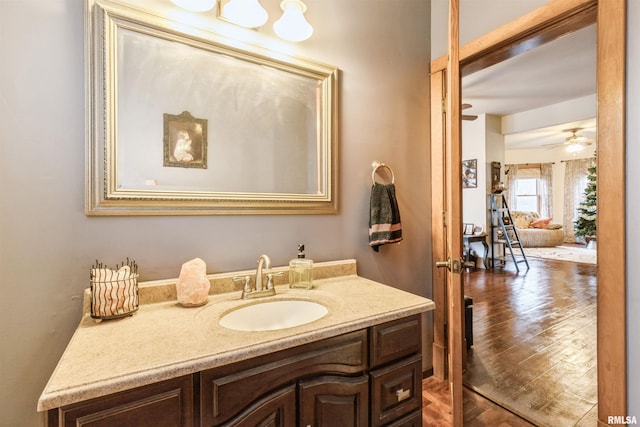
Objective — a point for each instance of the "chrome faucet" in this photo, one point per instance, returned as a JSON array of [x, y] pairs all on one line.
[[263, 261], [260, 290]]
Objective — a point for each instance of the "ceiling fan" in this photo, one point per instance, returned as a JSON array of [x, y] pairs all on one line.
[[468, 116], [574, 142]]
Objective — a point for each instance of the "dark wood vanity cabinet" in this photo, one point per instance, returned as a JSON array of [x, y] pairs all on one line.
[[396, 372], [370, 377], [323, 372]]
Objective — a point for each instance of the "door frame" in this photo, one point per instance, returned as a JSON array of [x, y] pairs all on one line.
[[557, 18]]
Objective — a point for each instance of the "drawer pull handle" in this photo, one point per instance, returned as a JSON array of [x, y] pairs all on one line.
[[403, 394]]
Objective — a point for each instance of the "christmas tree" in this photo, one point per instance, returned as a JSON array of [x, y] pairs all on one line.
[[585, 225]]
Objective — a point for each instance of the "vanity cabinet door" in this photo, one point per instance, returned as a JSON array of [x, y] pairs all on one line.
[[275, 410], [226, 391], [164, 404], [331, 401]]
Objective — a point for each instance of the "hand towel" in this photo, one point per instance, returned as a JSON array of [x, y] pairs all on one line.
[[384, 216]]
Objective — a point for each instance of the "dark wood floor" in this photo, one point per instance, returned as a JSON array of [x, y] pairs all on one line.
[[534, 349], [534, 346]]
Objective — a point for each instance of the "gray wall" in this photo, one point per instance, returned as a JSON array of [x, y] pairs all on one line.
[[476, 18], [48, 245]]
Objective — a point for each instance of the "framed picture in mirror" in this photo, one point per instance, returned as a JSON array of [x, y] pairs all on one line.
[[185, 141]]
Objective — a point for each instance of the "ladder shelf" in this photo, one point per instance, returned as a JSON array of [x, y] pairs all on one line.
[[504, 233]]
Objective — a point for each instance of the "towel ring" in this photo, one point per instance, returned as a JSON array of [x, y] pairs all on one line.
[[377, 165]]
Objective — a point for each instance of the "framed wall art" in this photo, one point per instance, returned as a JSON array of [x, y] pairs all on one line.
[[467, 229], [470, 173], [185, 141]]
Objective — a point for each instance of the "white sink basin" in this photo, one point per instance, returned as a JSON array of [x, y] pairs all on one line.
[[273, 315]]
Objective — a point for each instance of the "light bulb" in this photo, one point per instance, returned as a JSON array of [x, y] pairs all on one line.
[[292, 26], [574, 147], [246, 13], [195, 5]]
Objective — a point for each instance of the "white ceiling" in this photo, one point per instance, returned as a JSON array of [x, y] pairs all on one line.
[[558, 71]]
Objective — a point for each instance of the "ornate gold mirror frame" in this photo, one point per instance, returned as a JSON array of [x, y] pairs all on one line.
[[182, 121]]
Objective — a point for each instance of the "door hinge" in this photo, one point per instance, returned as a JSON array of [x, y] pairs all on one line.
[[444, 105], [444, 219]]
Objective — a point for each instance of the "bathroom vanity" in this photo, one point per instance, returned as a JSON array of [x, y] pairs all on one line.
[[167, 365]]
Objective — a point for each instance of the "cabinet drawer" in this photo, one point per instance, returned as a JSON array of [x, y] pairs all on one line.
[[396, 390], [167, 403], [412, 420], [227, 390], [394, 340]]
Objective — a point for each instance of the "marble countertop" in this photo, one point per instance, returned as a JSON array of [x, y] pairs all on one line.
[[164, 340]]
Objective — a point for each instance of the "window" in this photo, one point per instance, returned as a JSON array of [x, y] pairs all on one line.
[[528, 188], [527, 194]]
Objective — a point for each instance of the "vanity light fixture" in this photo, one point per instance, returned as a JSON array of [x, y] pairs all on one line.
[[246, 13], [292, 26], [195, 5]]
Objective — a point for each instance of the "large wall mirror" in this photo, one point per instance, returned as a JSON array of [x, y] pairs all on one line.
[[187, 123]]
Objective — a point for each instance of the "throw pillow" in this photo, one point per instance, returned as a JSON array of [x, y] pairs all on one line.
[[540, 223], [522, 219], [554, 226]]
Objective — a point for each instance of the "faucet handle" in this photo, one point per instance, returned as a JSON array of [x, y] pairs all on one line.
[[270, 278], [246, 289]]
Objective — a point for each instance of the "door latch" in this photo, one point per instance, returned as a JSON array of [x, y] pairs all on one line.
[[454, 265]]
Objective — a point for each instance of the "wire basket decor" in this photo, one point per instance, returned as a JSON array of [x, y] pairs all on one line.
[[114, 292]]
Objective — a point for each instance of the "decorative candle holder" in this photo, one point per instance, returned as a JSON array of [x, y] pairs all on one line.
[[114, 292]]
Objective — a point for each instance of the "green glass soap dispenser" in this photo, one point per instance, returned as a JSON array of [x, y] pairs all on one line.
[[300, 271]]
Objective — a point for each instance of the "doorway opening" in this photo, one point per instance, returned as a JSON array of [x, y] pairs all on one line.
[[549, 22], [534, 329]]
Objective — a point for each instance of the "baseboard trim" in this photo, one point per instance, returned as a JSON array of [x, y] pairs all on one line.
[[428, 373]]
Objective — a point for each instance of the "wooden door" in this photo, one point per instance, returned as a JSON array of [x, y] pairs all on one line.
[[556, 18], [611, 222], [447, 220]]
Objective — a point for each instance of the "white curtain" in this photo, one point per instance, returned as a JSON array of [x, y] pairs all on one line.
[[546, 190], [543, 173], [510, 184], [575, 182]]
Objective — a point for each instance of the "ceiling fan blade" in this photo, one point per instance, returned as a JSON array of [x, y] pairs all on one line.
[[469, 117], [466, 106]]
